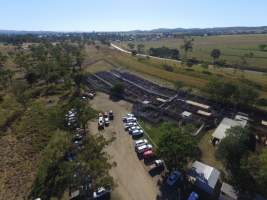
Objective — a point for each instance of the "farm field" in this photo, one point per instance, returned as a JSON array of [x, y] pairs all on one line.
[[232, 47], [197, 77]]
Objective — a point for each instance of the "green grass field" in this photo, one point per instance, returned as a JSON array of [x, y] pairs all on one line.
[[233, 47]]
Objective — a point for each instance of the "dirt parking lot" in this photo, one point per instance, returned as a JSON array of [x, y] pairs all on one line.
[[131, 176]]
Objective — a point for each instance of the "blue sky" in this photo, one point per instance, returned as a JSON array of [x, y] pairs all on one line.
[[121, 15]]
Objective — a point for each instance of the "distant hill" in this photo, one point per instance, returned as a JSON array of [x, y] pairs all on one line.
[[216, 30], [182, 31]]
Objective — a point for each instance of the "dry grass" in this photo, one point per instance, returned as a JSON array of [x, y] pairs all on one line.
[[17, 168]]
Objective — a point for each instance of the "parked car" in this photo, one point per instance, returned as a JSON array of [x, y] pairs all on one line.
[[174, 177], [101, 123], [193, 196], [141, 142], [101, 192], [106, 120], [137, 133], [157, 164], [143, 148], [77, 136], [111, 115], [148, 154], [128, 125], [129, 119], [131, 129]]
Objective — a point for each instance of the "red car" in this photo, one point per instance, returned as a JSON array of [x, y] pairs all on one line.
[[148, 154]]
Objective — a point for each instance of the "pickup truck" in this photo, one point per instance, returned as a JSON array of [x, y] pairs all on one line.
[[157, 164]]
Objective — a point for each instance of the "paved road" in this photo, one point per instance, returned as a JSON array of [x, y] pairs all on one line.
[[143, 55], [130, 174]]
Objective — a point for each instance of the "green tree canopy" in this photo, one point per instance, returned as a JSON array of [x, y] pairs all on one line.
[[176, 146], [238, 142], [232, 92]]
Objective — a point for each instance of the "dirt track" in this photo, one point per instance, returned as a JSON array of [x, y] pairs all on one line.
[[133, 180]]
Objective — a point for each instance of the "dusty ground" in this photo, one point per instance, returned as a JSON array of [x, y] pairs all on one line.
[[130, 174], [17, 168]]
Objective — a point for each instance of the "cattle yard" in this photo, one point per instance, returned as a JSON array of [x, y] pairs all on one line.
[[155, 103]]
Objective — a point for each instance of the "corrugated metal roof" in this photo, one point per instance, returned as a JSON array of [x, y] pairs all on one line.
[[226, 124], [193, 103], [207, 173], [229, 191]]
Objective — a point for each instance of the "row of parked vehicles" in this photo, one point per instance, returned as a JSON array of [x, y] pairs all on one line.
[[145, 151], [142, 147], [78, 137], [104, 119]]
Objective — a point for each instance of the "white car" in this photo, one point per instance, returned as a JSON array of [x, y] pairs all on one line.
[[132, 128], [101, 122], [129, 125], [106, 119], [143, 148], [140, 142], [130, 115], [129, 119], [100, 192]]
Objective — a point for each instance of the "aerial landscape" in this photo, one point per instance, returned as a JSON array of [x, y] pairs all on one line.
[[133, 100]]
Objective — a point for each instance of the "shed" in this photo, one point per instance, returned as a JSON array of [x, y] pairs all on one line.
[[226, 124], [205, 177]]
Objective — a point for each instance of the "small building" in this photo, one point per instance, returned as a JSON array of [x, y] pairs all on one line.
[[228, 192], [204, 177], [226, 124]]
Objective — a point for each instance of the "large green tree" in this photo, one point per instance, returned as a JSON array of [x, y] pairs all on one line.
[[232, 151], [238, 142], [176, 146]]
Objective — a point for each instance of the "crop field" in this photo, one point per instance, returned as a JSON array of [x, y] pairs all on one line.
[[233, 48]]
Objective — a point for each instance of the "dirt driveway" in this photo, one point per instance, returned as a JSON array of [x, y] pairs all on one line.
[[133, 180]]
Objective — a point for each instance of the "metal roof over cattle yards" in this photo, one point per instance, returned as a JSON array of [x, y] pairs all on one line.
[[226, 124], [198, 104]]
